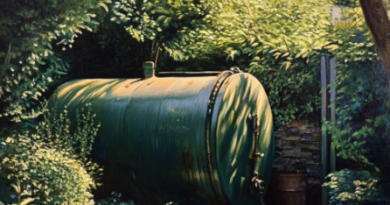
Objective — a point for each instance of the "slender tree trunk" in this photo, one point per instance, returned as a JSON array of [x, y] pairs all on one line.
[[378, 22]]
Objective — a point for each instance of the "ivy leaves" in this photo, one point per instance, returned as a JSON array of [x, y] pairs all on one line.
[[359, 86], [30, 30]]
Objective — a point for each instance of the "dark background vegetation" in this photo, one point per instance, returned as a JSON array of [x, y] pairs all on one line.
[[44, 43]]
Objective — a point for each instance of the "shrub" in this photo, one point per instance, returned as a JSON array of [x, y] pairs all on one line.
[[44, 167], [354, 187], [115, 199]]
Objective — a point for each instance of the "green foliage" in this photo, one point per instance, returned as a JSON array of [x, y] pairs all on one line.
[[82, 138], [41, 166], [28, 32], [117, 54], [348, 3], [107, 51], [355, 3], [361, 127], [169, 24], [351, 187], [278, 41], [44, 167], [115, 200], [360, 88], [282, 44]]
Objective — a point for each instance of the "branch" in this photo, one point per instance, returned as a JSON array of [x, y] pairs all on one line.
[[6, 62]]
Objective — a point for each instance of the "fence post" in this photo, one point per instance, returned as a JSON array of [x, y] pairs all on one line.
[[328, 155], [332, 111], [324, 139]]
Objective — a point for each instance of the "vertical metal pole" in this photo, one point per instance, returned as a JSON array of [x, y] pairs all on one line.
[[328, 154], [155, 52], [324, 139], [332, 111]]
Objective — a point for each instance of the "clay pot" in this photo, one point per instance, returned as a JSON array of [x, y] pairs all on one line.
[[290, 188]]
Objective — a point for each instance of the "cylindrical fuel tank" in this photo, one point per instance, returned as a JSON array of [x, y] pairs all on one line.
[[167, 135]]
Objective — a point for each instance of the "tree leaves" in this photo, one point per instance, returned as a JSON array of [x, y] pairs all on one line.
[[27, 201], [287, 64], [354, 187], [32, 51]]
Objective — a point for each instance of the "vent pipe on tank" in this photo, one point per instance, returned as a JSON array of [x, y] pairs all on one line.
[[148, 67]]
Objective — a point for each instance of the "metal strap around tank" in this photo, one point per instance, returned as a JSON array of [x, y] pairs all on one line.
[[187, 73], [210, 109]]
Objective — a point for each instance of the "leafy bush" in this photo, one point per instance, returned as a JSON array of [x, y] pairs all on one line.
[[353, 187], [172, 200], [30, 32], [43, 167], [81, 138], [115, 200], [361, 127]]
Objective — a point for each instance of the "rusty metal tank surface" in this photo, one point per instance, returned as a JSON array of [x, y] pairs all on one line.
[[165, 135]]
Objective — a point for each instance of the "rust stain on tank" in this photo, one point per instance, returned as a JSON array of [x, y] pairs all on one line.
[[188, 161], [189, 83], [227, 81]]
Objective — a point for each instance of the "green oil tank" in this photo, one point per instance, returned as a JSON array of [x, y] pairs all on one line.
[[159, 136]]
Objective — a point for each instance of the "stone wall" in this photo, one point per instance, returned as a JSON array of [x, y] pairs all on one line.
[[298, 147]]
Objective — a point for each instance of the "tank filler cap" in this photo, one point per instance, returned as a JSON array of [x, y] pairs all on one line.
[[148, 67], [235, 69]]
